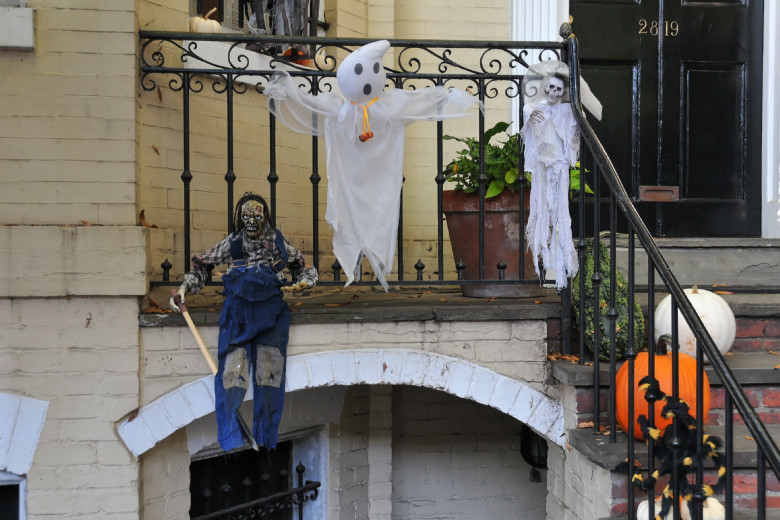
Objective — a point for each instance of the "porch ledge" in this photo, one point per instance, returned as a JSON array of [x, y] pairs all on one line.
[[608, 455], [749, 368], [365, 304]]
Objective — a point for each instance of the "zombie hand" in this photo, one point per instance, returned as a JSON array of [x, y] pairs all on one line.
[[297, 286], [537, 116], [181, 291]]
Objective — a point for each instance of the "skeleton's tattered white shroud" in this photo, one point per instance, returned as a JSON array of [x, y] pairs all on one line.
[[364, 177], [551, 146]]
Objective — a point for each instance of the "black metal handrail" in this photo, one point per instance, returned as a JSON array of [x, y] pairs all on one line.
[[619, 198], [495, 69]]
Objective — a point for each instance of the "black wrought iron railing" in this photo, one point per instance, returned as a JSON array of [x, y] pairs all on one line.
[[492, 71], [687, 476], [282, 504]]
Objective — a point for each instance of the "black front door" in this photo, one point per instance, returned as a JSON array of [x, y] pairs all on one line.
[[684, 132]]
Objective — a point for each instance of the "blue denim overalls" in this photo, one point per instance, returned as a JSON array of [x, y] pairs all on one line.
[[253, 330]]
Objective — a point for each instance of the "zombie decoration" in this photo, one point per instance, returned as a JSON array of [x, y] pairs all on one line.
[[364, 137], [255, 320], [552, 143]]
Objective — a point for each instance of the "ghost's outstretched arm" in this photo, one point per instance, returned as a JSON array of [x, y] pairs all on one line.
[[431, 103], [296, 108]]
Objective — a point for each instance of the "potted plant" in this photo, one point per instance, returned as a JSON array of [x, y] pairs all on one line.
[[503, 227]]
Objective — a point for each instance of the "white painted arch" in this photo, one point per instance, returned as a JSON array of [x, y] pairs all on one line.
[[162, 417]]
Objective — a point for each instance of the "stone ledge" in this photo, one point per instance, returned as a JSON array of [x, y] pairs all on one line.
[[356, 305], [598, 448], [749, 368]]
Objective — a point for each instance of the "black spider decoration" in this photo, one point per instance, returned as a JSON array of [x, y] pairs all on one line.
[[689, 456]]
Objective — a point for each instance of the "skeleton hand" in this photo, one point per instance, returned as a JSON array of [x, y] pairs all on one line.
[[181, 292], [537, 116], [297, 286]]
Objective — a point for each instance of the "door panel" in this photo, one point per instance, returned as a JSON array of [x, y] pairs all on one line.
[[705, 139], [713, 158]]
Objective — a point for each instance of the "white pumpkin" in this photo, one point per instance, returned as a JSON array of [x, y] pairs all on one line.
[[643, 513], [714, 312], [202, 24], [712, 510]]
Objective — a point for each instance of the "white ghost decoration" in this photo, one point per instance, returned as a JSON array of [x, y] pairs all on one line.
[[551, 146], [364, 138]]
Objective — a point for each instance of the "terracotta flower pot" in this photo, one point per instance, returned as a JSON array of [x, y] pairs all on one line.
[[503, 233]]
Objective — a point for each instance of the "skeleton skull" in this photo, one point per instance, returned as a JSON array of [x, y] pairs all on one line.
[[253, 218], [553, 89]]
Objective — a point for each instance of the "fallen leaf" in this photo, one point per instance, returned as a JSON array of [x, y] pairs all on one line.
[[159, 93], [537, 302], [156, 150], [427, 292], [298, 303], [142, 220], [443, 299], [586, 424], [749, 438], [568, 446], [728, 354], [724, 292], [336, 304], [355, 296], [85, 223], [777, 366], [770, 351]]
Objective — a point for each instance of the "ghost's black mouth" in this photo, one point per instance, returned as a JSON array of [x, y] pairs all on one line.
[[252, 228]]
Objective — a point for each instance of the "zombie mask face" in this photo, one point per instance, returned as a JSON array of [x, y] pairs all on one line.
[[553, 89], [253, 218]]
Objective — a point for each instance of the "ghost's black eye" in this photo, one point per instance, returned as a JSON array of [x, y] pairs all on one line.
[[376, 68], [367, 89], [359, 69]]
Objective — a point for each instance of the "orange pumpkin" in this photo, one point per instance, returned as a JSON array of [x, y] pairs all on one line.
[[663, 373]]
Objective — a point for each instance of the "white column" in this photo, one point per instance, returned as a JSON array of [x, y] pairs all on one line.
[[770, 193], [535, 20]]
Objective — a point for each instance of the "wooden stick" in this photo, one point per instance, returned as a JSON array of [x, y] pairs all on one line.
[[194, 330], [245, 431]]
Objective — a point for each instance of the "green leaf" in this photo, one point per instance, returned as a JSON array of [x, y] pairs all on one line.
[[495, 188], [512, 175], [499, 127]]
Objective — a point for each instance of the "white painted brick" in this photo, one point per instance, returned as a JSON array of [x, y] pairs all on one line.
[[177, 409], [414, 368], [526, 402], [297, 374], [505, 394], [436, 372], [369, 367], [136, 436], [483, 385], [320, 369], [459, 379], [157, 421], [24, 418], [343, 364], [392, 366]]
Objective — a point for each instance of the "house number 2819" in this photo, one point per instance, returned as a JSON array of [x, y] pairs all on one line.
[[651, 27]]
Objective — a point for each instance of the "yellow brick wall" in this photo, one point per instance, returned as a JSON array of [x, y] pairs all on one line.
[[67, 118], [81, 356]]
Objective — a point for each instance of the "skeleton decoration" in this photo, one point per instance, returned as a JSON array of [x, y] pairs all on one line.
[[364, 137], [552, 143]]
